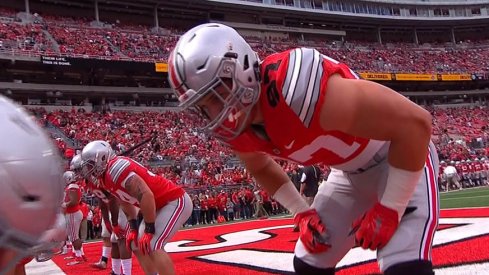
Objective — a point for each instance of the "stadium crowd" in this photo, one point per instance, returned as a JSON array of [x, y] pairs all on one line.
[[56, 35]]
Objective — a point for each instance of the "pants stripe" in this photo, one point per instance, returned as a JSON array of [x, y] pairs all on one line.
[[432, 222]]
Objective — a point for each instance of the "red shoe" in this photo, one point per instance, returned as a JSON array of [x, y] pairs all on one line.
[[78, 260]]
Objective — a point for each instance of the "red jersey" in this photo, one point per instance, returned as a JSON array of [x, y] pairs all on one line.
[[120, 168], [293, 89], [477, 167], [98, 192], [70, 188], [84, 208]]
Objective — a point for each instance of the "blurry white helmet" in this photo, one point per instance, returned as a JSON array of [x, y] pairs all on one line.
[[52, 240], [95, 156], [210, 56], [30, 180]]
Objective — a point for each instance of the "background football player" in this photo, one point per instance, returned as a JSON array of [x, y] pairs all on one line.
[[164, 206]]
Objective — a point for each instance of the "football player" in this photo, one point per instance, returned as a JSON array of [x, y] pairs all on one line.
[[383, 184], [73, 214], [164, 206], [114, 226], [31, 188]]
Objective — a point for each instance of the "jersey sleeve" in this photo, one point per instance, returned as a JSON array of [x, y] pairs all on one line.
[[118, 170], [303, 80]]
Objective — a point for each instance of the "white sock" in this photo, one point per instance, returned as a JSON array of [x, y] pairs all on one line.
[[116, 265], [78, 253], [106, 251], [126, 266]]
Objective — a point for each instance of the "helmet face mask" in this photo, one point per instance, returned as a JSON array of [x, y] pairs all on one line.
[[213, 60]]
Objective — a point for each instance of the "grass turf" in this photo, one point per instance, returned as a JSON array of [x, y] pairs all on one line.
[[473, 197]]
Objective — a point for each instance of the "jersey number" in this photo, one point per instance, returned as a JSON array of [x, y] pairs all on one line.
[[123, 196], [100, 195], [272, 92], [330, 143]]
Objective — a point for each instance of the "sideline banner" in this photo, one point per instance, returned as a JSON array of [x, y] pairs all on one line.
[[375, 76], [161, 67], [415, 77]]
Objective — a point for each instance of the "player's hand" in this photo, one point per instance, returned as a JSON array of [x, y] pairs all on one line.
[[132, 235], [118, 231], [144, 244], [108, 226], [376, 227], [312, 231]]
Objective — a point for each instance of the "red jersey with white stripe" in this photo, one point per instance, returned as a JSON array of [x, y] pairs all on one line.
[[120, 169], [293, 91], [73, 187]]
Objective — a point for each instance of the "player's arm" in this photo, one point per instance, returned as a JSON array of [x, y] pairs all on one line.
[[74, 198], [367, 109], [269, 175], [130, 210], [137, 188], [113, 207], [104, 210]]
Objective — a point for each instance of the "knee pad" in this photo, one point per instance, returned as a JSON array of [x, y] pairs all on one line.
[[303, 268], [417, 267]]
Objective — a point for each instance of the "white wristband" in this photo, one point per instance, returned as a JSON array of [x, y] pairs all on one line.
[[399, 188], [288, 196]]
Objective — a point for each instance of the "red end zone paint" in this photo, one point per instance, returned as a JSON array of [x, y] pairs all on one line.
[[456, 249]]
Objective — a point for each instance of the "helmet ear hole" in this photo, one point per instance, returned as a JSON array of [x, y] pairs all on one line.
[[246, 63]]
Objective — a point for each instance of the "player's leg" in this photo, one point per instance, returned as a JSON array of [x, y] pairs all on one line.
[[106, 248], [144, 260], [74, 236], [115, 255], [168, 220], [124, 253], [338, 203], [83, 236], [409, 250]]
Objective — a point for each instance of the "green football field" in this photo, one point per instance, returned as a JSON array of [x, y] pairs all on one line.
[[474, 197]]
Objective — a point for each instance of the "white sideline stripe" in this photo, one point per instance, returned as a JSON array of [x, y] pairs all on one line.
[[471, 269], [48, 267], [462, 198], [279, 261]]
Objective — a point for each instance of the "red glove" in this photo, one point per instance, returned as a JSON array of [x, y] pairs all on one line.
[[376, 227], [145, 243], [118, 231], [132, 235], [312, 231], [108, 226]]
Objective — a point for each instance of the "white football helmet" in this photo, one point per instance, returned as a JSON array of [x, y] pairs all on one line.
[[69, 177], [76, 164], [31, 182], [95, 157], [203, 59]]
